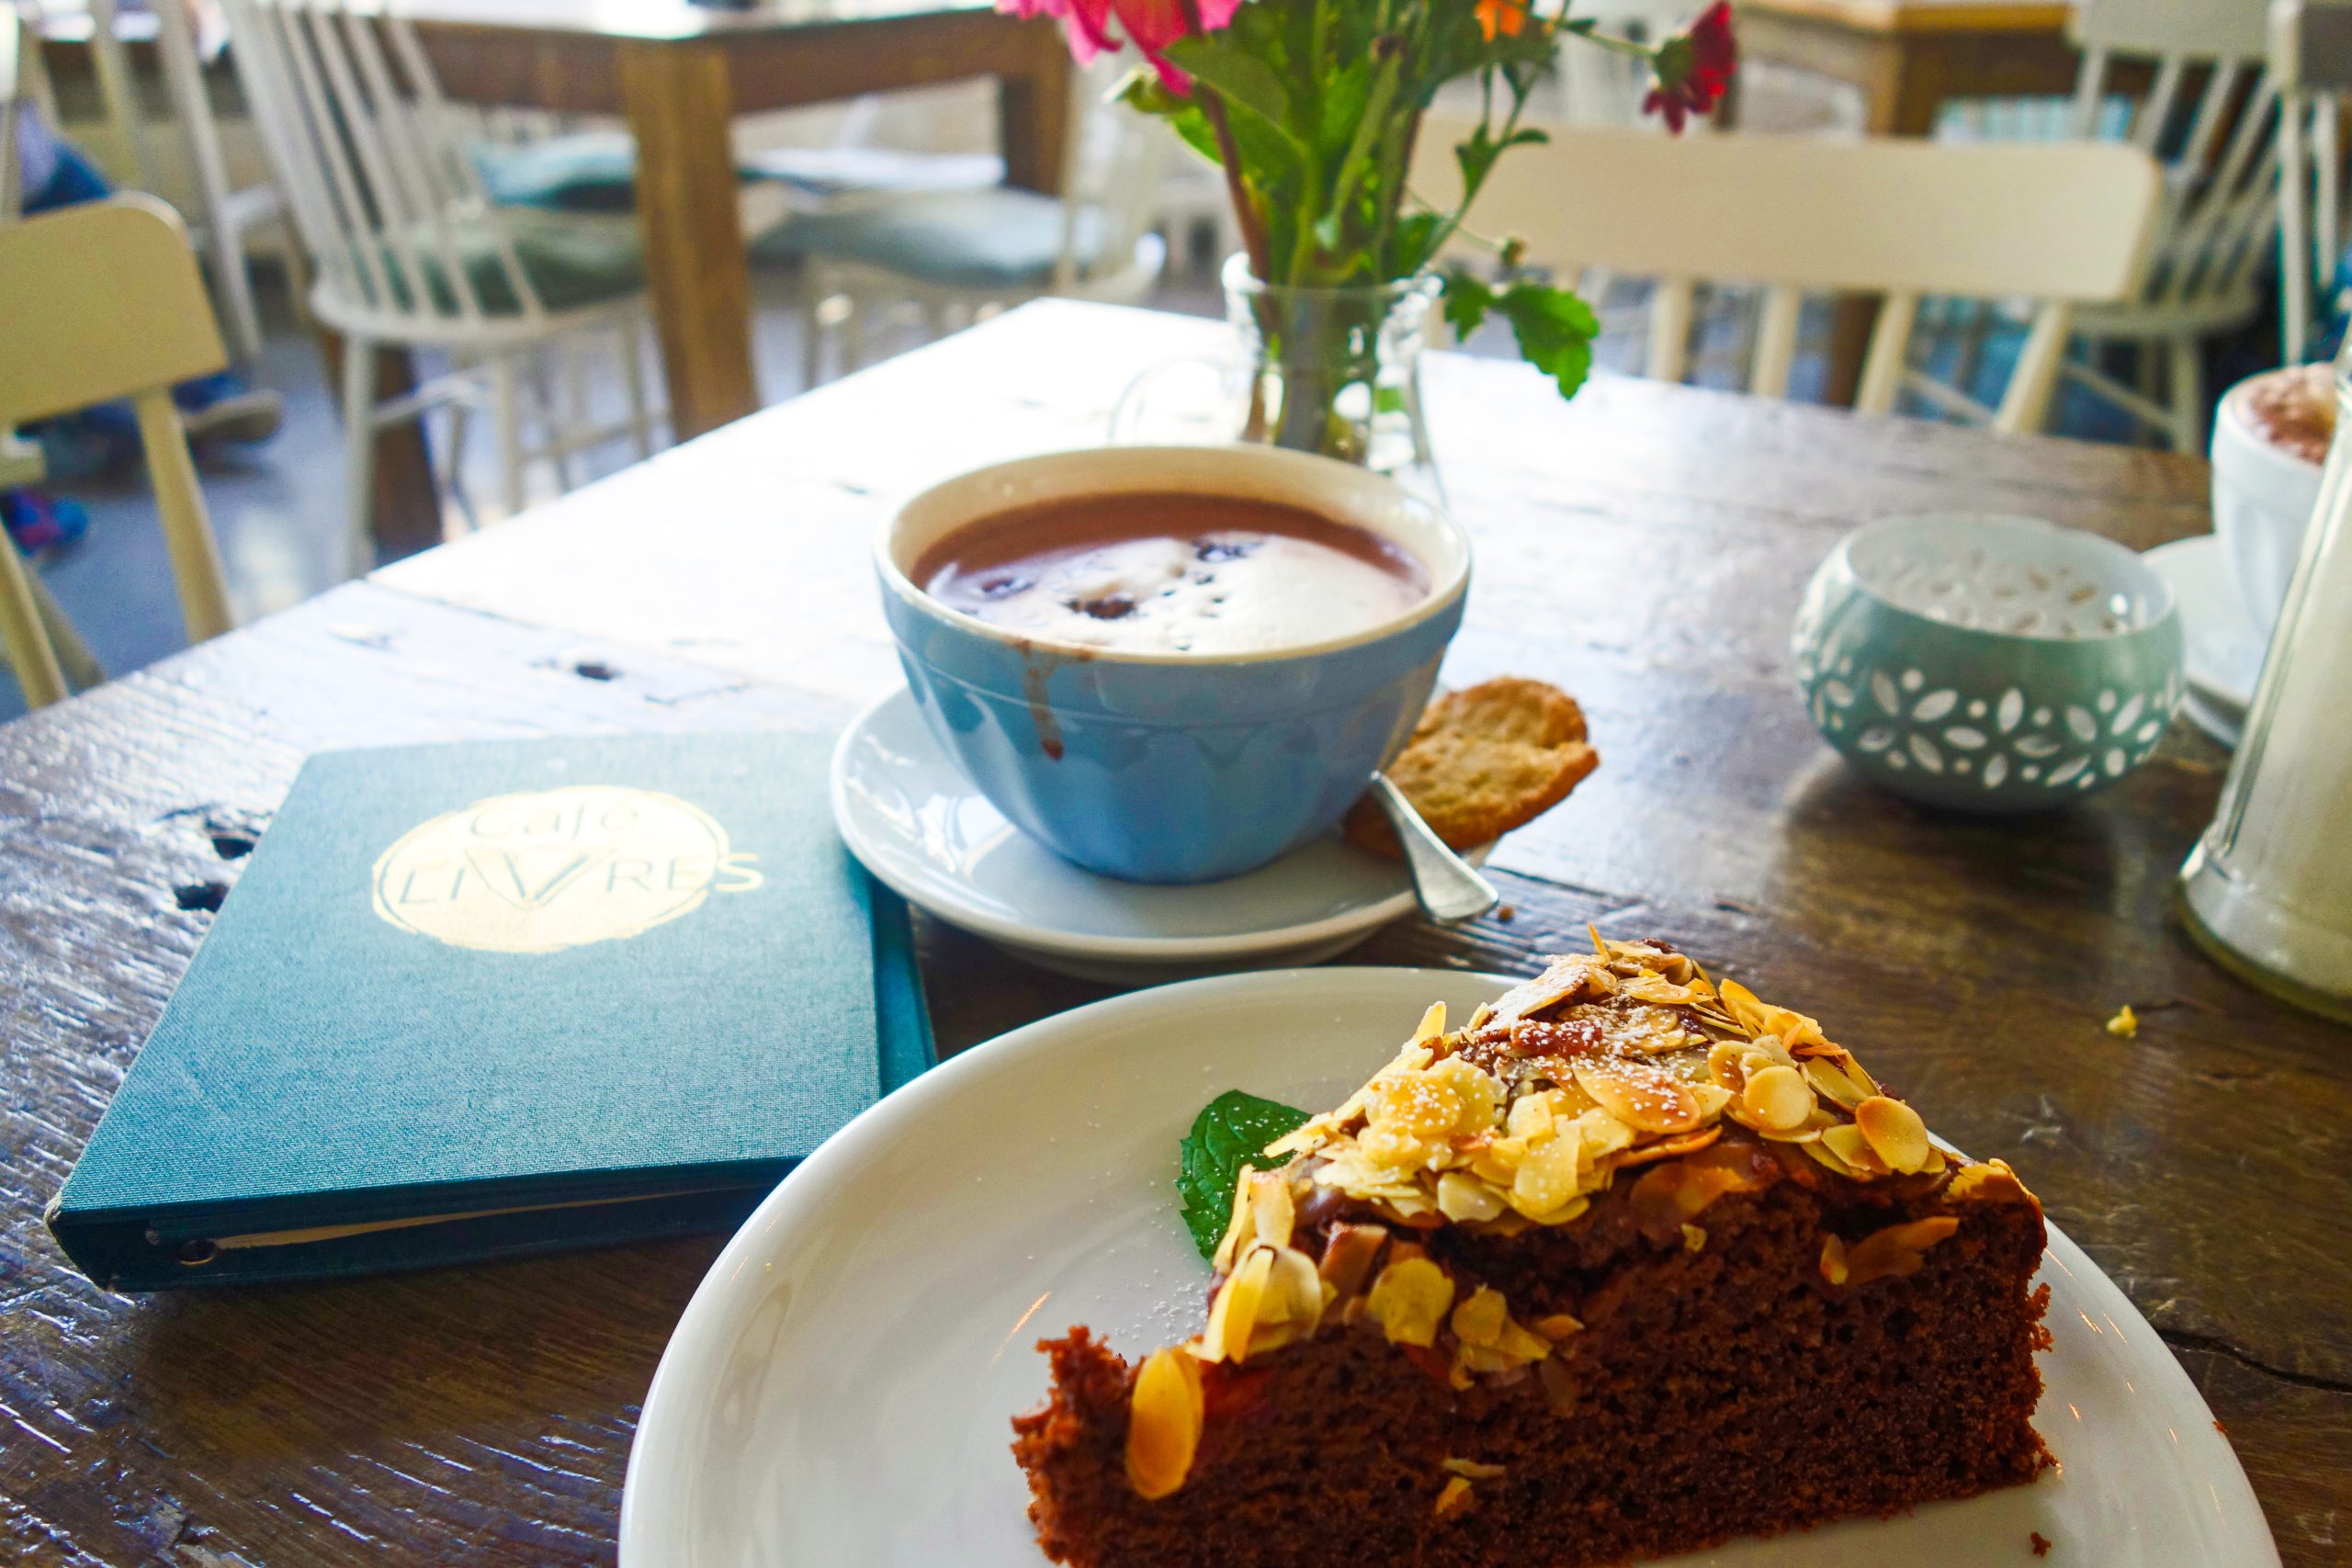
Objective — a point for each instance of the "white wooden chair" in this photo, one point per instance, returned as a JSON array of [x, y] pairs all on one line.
[[408, 251], [120, 312], [21, 82], [2065, 225], [953, 257], [2310, 59], [2221, 190], [228, 214]]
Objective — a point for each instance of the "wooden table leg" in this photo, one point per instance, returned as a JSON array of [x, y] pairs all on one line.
[[406, 514], [680, 107], [1033, 118]]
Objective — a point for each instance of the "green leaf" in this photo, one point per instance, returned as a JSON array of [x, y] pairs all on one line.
[[1465, 299], [1241, 78], [1231, 1131], [1554, 330], [1417, 235]]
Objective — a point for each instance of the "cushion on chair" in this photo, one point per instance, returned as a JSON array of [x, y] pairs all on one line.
[[587, 171], [826, 173], [569, 264], [997, 238], [584, 171]]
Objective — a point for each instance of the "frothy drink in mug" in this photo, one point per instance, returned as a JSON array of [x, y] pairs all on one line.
[[1172, 573]]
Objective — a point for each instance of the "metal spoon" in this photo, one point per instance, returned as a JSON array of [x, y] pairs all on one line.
[[1449, 887]]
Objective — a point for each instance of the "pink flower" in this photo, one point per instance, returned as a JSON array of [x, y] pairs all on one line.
[[1692, 69], [1150, 25]]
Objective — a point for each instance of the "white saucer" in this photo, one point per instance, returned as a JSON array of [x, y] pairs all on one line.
[[840, 1389], [2224, 647], [917, 823]]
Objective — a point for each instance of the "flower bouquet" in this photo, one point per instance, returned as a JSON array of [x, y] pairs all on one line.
[[1312, 108]]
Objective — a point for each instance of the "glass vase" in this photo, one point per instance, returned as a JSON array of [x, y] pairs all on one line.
[[1333, 371]]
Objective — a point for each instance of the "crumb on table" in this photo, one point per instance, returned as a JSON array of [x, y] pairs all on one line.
[[1506, 914], [2040, 1544], [2125, 1025]]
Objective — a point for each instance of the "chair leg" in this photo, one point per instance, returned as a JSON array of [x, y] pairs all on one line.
[[813, 336], [359, 455], [854, 335], [551, 418], [507, 412], [22, 636], [454, 482], [2188, 394], [640, 421], [180, 503], [235, 284], [81, 668], [296, 262]]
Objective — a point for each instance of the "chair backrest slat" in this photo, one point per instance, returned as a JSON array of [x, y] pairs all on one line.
[[2065, 221], [1670, 340], [2154, 112], [2212, 112], [2208, 166], [441, 129], [2310, 57], [398, 166], [350, 245], [1776, 342], [1883, 365], [383, 193], [393, 222]]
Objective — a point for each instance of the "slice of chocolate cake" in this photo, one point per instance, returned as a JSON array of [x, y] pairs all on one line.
[[1626, 1265]]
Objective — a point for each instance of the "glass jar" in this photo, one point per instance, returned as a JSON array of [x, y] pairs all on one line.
[[1336, 371], [2267, 891], [1333, 371]]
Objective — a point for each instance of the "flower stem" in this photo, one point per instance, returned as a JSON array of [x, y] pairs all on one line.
[[1228, 152]]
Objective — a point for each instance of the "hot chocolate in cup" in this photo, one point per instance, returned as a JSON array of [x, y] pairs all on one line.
[[1171, 664]]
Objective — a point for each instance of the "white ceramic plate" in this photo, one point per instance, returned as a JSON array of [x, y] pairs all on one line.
[[2224, 648], [912, 819], [839, 1388]]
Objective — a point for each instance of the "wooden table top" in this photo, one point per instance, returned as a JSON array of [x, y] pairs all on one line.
[[1924, 16], [656, 20], [1643, 546]]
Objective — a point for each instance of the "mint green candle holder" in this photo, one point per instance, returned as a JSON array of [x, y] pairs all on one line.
[[1988, 663]]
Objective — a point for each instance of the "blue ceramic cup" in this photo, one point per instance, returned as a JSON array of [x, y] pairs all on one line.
[[1171, 767]]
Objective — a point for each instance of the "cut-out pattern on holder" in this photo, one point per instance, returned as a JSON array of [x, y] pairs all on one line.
[[1899, 718]]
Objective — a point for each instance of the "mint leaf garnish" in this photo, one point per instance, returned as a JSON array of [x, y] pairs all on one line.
[[1231, 1131]]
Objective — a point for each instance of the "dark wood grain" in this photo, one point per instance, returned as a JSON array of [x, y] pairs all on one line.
[[1644, 546]]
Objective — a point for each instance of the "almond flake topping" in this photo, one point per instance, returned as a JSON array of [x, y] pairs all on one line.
[[1628, 1059], [1164, 1414]]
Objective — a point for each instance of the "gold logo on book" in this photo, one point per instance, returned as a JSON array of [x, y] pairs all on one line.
[[556, 868]]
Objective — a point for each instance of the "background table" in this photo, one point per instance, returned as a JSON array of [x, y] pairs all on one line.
[[681, 71], [1644, 546], [1909, 57]]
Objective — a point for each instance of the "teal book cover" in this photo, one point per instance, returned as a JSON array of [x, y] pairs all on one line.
[[487, 999]]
